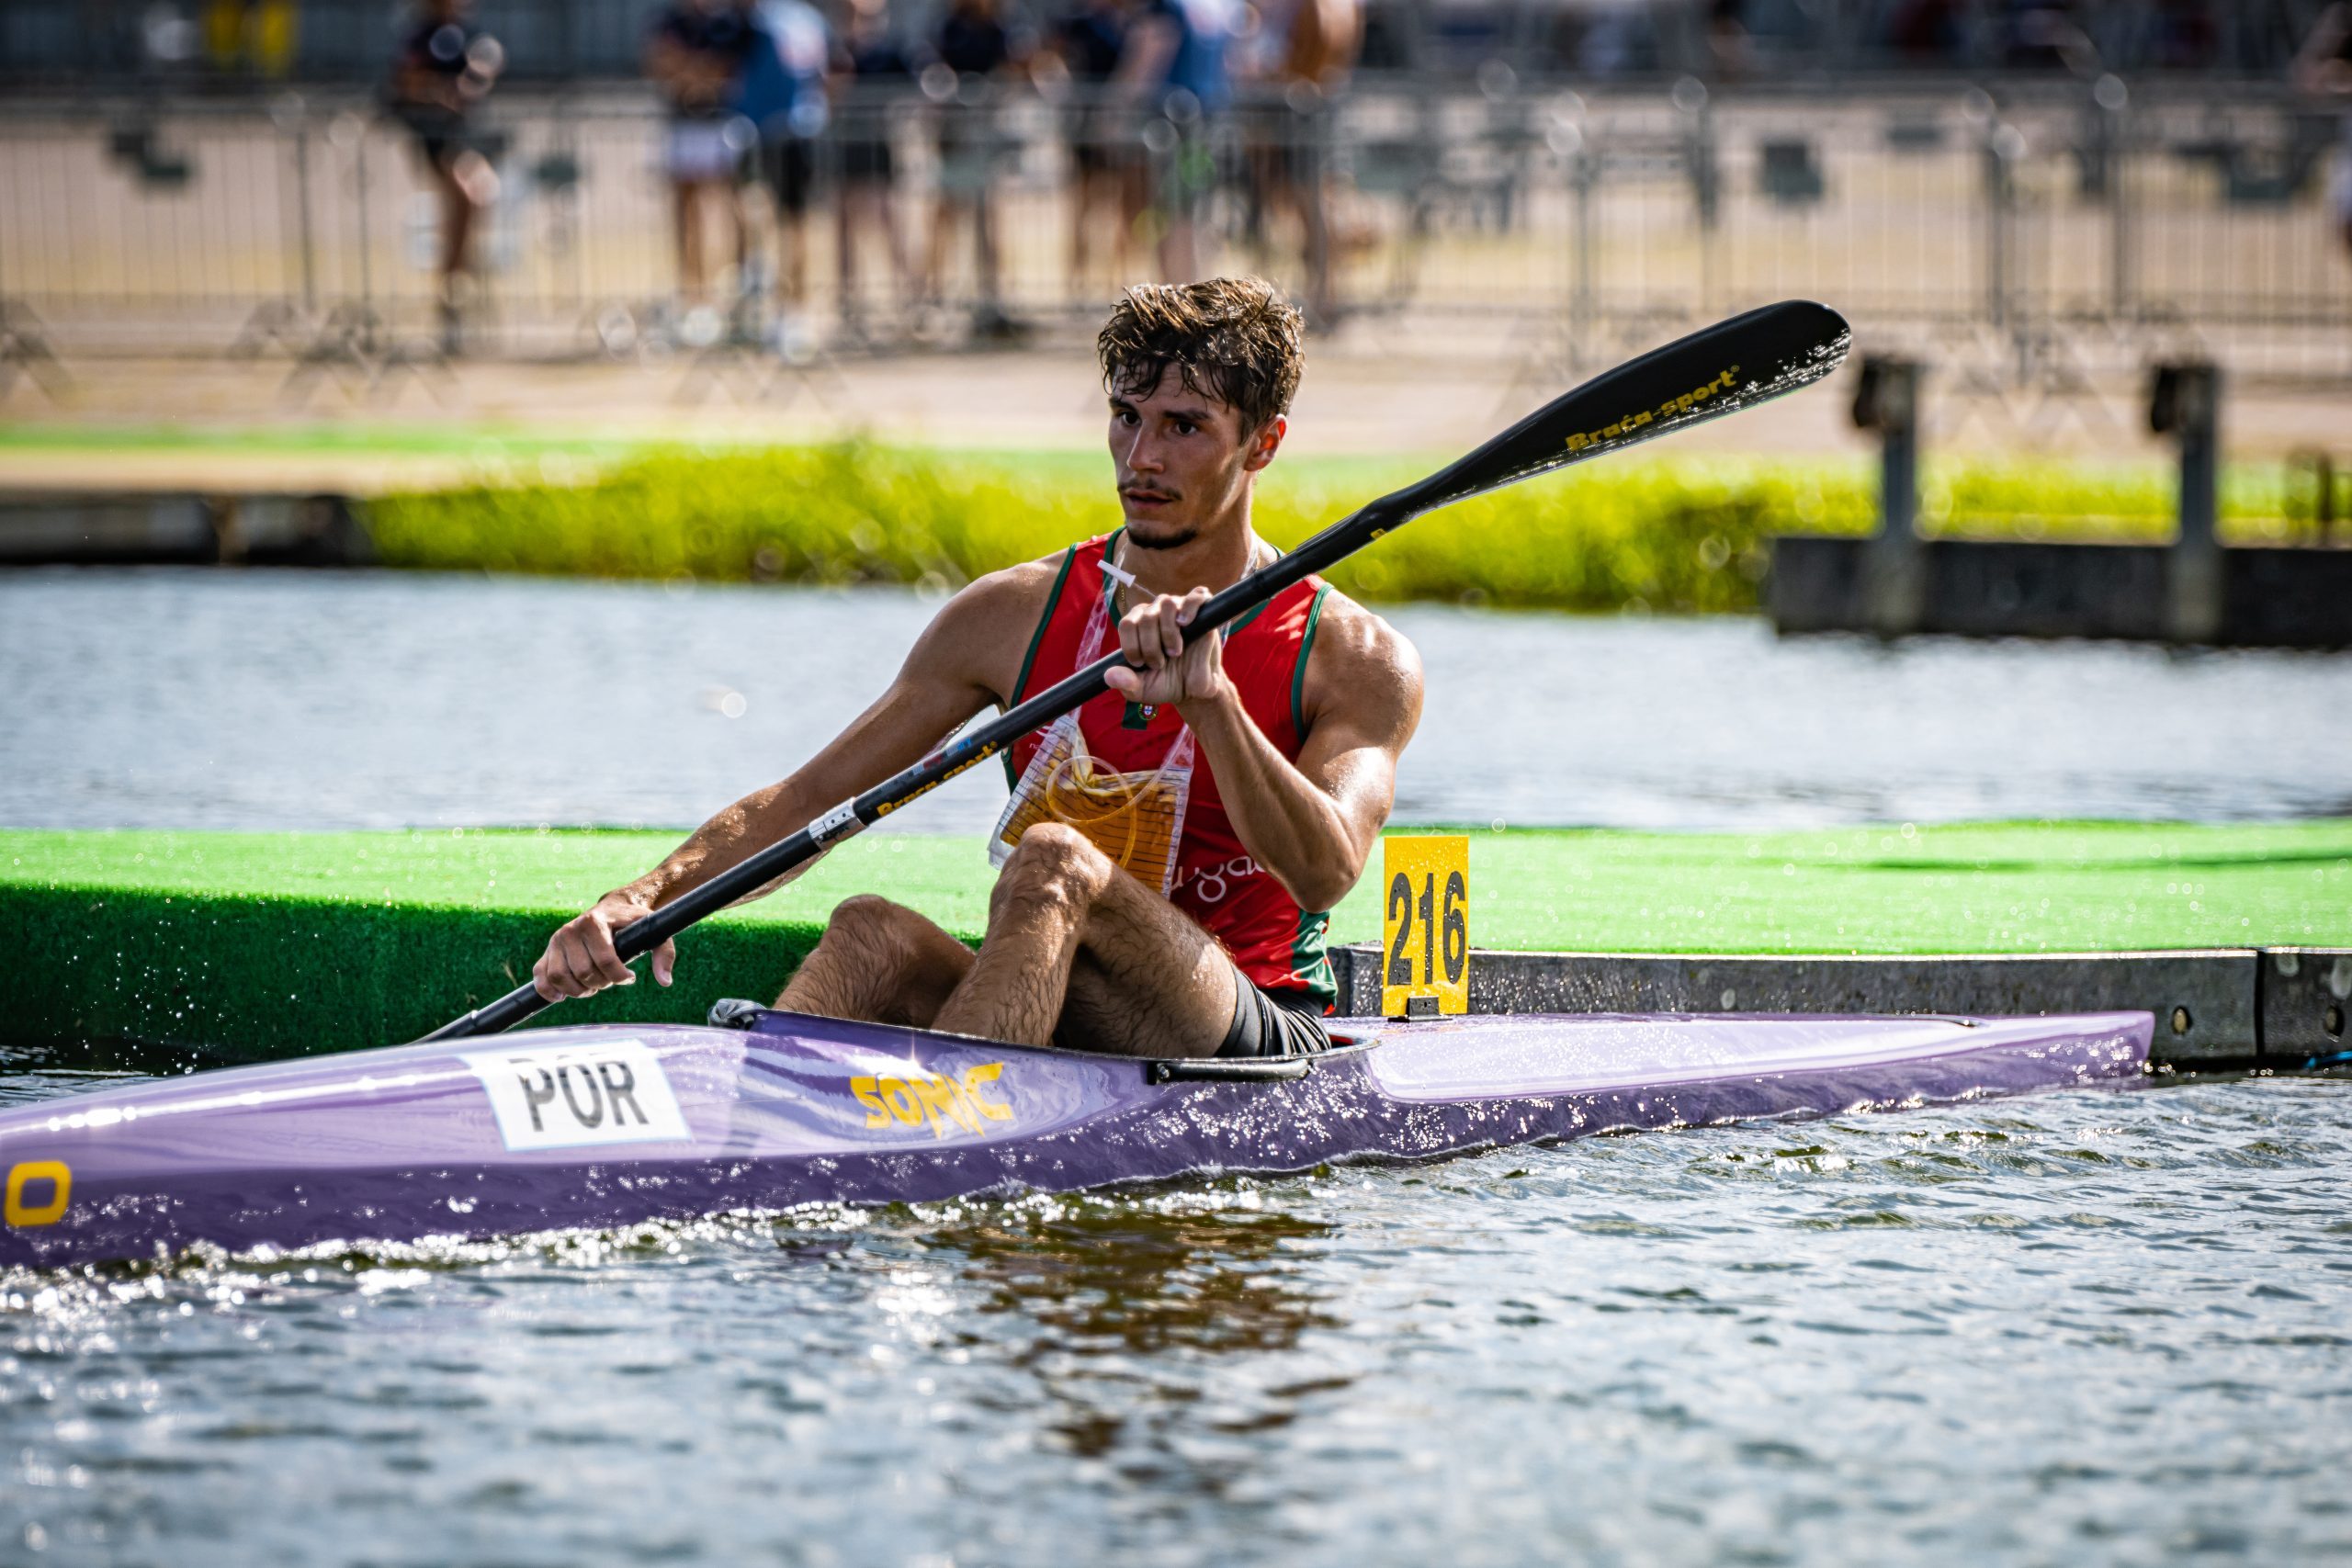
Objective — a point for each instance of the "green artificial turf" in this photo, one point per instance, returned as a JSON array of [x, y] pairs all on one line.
[[268, 943]]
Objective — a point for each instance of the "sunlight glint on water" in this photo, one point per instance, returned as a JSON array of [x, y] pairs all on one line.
[[2094, 1327]]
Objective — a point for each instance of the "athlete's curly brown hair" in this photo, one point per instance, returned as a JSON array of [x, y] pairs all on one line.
[[1235, 339]]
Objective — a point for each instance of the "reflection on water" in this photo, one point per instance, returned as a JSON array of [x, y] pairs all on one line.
[[1109, 1290], [198, 699], [2078, 1327], [1102, 1275]]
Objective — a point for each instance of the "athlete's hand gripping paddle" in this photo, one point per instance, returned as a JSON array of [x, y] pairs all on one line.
[[1731, 366]]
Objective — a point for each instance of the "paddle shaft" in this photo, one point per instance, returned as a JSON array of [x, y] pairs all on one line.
[[1784, 346]]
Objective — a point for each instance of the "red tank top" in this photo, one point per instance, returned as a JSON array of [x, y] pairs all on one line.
[[1272, 939]]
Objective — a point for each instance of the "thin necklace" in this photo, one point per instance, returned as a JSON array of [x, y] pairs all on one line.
[[1121, 577]]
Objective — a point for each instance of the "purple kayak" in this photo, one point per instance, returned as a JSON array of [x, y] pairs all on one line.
[[617, 1126]]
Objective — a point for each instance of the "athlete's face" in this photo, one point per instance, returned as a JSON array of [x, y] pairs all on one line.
[[1184, 460]]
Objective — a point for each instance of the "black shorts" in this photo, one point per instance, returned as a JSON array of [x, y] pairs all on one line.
[[1273, 1024], [867, 162], [790, 171], [440, 133]]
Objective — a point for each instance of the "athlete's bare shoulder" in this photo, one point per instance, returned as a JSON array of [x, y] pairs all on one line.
[[1363, 669], [981, 632], [1362, 644]]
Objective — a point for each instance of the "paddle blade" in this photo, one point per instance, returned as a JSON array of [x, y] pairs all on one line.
[[1731, 366]]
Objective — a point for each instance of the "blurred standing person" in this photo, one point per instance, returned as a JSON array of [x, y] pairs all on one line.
[[869, 71], [972, 52], [2323, 69], [1107, 173], [1178, 60], [2188, 35], [2046, 34], [446, 67], [782, 92], [1305, 49], [696, 53], [1731, 50], [1926, 31]]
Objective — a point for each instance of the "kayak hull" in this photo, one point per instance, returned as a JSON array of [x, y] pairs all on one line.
[[620, 1125]]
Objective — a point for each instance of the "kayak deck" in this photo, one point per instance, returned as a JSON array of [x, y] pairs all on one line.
[[617, 1126]]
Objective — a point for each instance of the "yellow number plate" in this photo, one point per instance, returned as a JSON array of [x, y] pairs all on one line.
[[1425, 927]]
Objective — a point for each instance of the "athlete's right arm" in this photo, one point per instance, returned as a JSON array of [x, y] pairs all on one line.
[[965, 660]]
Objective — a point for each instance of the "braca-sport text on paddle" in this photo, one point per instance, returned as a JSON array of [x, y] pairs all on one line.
[[1731, 366]]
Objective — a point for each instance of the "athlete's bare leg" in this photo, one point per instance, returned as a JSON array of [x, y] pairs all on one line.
[[1077, 948], [687, 194], [880, 962]]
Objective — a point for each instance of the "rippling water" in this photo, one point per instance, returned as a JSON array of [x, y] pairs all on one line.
[[2085, 1328], [2091, 1328]]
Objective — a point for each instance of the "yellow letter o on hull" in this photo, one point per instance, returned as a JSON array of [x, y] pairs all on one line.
[[23, 1175]]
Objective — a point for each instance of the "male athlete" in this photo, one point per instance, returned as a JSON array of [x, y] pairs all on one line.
[[1291, 719]]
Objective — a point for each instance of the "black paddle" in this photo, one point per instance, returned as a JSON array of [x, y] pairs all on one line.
[[1731, 366]]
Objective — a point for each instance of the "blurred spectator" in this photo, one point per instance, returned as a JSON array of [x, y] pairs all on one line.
[[696, 53], [972, 54], [1304, 51], [869, 66], [2044, 34], [445, 68], [2188, 36], [1730, 51], [782, 92], [2323, 70], [1179, 59], [1926, 30], [1105, 158], [1607, 38]]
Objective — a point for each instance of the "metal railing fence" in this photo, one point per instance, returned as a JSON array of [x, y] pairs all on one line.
[[349, 41], [2045, 236]]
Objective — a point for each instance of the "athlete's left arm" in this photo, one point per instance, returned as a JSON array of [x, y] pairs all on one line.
[[1313, 823]]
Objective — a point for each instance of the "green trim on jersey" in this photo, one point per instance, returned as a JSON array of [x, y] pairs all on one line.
[[1053, 601], [1298, 676], [1309, 959]]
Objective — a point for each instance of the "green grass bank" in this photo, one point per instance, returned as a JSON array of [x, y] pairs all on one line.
[[1669, 533], [264, 945]]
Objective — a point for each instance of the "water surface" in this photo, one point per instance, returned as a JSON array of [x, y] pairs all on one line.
[[2082, 1328], [203, 699], [2087, 1328]]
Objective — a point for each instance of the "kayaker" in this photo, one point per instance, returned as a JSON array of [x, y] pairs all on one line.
[[1172, 852]]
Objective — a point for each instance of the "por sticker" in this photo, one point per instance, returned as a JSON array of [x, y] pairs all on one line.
[[561, 1097]]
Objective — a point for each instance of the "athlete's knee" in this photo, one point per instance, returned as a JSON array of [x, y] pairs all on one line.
[[1058, 861], [870, 920]]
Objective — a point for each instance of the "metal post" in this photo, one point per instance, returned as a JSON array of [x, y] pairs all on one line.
[[366, 262], [1893, 565], [2000, 141], [1585, 312], [1566, 139], [308, 239], [2112, 98], [1689, 98], [2186, 403]]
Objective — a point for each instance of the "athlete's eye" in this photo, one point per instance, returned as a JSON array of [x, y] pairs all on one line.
[[1185, 427]]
